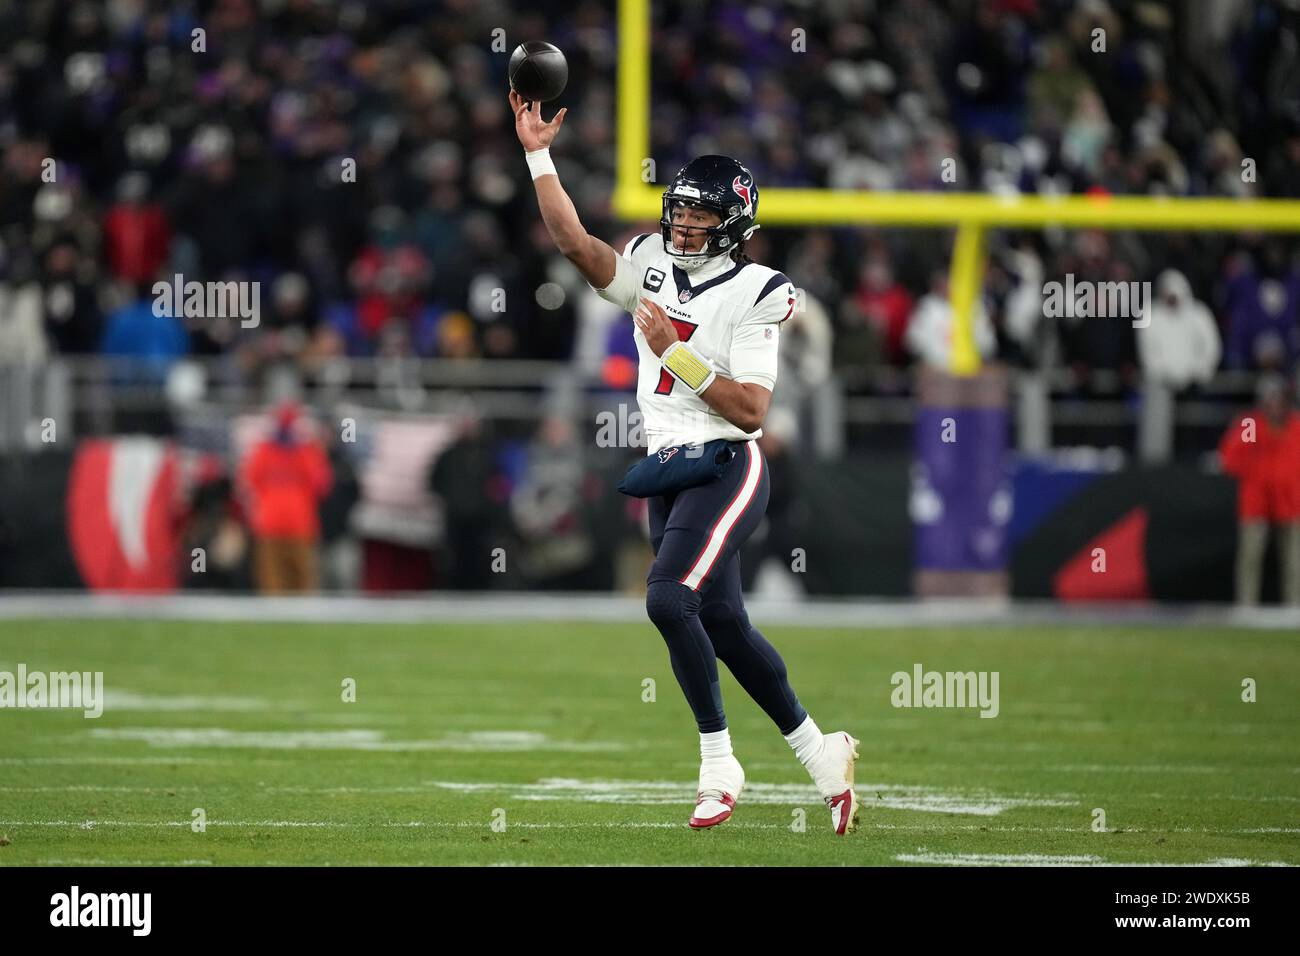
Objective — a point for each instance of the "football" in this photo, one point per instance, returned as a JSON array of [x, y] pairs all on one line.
[[538, 71]]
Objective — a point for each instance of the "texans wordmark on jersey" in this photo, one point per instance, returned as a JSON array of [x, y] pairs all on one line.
[[731, 314]]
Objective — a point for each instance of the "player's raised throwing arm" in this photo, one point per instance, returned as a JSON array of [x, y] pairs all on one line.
[[596, 260]]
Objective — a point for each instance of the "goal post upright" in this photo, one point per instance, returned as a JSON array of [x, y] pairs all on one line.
[[971, 214]]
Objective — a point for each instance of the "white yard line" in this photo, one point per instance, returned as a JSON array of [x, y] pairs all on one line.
[[350, 739], [123, 699], [94, 861], [656, 792], [678, 789]]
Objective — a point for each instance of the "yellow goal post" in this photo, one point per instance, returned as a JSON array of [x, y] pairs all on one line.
[[972, 214]]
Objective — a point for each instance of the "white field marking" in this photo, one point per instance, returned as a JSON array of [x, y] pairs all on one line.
[[996, 859], [878, 762], [655, 792], [1039, 859], [91, 861], [373, 740], [866, 803], [130, 700], [1235, 861]]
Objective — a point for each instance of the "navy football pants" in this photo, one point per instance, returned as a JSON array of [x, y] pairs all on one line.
[[693, 593]]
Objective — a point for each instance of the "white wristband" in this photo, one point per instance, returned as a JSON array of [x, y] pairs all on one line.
[[539, 162]]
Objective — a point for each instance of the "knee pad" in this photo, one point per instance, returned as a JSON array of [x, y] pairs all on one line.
[[668, 602]]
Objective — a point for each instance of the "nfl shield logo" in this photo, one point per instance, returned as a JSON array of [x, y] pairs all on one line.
[[684, 295]]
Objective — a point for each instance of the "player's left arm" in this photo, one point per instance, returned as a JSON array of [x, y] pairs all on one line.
[[743, 399], [744, 404]]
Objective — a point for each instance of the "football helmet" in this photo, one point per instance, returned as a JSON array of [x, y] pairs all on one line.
[[721, 185]]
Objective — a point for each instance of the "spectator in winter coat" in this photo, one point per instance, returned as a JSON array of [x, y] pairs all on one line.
[[929, 334], [286, 476], [1262, 451], [1180, 345]]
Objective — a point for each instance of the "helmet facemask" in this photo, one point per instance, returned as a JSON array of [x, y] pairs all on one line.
[[715, 244]]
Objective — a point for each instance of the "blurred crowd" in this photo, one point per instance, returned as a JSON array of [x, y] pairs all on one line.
[[1010, 96], [1026, 95], [358, 161]]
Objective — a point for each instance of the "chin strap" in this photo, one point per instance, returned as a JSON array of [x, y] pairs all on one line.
[[690, 264], [693, 262], [688, 367]]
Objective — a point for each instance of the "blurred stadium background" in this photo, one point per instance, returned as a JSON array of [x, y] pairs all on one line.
[[453, 406], [455, 374]]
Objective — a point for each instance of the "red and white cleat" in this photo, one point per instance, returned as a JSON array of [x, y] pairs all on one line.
[[720, 784], [832, 771]]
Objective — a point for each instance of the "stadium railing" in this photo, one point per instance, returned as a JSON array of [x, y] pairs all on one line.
[[90, 395]]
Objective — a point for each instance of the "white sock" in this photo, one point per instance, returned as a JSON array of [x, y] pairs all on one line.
[[807, 740], [715, 745]]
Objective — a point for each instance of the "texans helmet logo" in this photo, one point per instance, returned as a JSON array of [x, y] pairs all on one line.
[[743, 192], [667, 453]]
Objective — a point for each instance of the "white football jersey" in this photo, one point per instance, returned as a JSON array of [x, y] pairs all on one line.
[[730, 313]]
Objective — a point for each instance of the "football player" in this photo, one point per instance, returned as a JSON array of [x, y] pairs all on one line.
[[708, 324]]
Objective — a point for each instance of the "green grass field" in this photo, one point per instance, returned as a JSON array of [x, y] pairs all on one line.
[[544, 726]]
